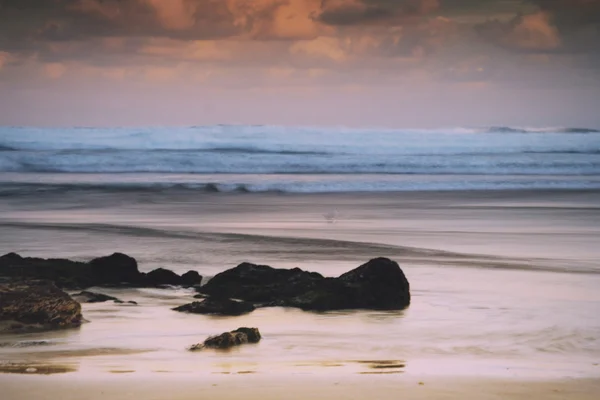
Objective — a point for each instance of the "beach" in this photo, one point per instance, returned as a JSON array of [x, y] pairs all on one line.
[[504, 295], [496, 231]]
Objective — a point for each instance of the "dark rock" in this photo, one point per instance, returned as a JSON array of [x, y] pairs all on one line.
[[64, 273], [252, 333], [116, 269], [230, 339], [218, 306], [260, 283], [191, 278], [163, 276], [36, 305], [92, 297], [379, 284]]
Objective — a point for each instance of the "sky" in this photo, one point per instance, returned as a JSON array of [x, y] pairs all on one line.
[[354, 63]]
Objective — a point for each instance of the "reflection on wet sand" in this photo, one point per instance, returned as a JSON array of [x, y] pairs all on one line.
[[383, 367], [92, 352], [36, 368], [380, 366]]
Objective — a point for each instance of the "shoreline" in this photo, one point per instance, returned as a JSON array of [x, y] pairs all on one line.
[[496, 328]]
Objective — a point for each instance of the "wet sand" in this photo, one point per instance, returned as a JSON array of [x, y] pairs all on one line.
[[128, 386], [504, 284]]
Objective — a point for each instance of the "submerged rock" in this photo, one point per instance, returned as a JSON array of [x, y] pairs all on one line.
[[93, 297], [218, 306], [115, 270], [36, 305], [379, 284], [227, 340]]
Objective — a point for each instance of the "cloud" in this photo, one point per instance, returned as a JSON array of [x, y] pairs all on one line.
[[534, 32], [168, 40], [329, 48], [196, 50], [528, 33], [363, 12], [571, 14], [54, 70], [276, 19], [174, 14], [5, 58]]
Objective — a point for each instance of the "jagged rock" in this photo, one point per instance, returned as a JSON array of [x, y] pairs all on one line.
[[379, 284], [115, 270], [227, 340], [218, 306], [36, 305]]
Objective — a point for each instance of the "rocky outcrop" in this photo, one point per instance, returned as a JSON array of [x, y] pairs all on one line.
[[260, 283], [115, 270], [227, 340], [93, 297], [217, 306], [64, 273], [36, 305], [163, 276], [379, 284]]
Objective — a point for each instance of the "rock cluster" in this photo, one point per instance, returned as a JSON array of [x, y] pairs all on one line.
[[379, 284], [115, 270]]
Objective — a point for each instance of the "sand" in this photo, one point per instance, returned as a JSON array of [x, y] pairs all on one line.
[[506, 278], [129, 386]]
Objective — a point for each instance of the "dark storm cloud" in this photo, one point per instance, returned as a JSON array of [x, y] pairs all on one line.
[[28, 23], [571, 13], [75, 29], [559, 26], [361, 12]]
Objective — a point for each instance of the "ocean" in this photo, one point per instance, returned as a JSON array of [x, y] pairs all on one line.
[[496, 229], [298, 160]]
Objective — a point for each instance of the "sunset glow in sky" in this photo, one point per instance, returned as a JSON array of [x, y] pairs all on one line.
[[395, 63]]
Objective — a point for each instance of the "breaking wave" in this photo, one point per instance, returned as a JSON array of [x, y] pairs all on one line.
[[275, 153], [509, 129]]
